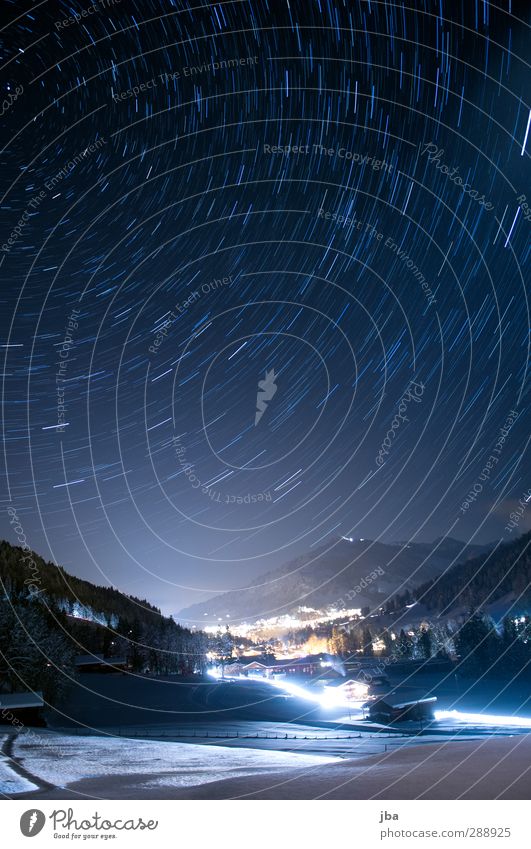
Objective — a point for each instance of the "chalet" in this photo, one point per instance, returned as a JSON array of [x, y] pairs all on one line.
[[306, 666], [370, 672], [400, 705], [269, 667], [348, 689], [372, 676], [21, 709]]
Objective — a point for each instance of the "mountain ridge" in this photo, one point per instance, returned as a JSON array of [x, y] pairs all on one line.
[[324, 576]]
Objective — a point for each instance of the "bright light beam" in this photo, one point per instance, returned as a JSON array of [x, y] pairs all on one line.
[[483, 718], [329, 698]]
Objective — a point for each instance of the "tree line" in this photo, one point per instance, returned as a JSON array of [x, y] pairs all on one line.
[[477, 644], [42, 633], [483, 580]]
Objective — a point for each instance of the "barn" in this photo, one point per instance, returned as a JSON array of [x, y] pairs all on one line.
[[21, 709], [400, 706]]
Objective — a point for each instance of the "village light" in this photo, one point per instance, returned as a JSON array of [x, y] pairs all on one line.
[[358, 690], [331, 698]]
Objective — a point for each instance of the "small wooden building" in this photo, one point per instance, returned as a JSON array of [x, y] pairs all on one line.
[[18, 709], [398, 706]]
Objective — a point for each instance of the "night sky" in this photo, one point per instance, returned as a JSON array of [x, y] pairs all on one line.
[[328, 198]]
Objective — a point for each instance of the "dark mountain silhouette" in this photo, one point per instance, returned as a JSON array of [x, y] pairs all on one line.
[[326, 577], [503, 575]]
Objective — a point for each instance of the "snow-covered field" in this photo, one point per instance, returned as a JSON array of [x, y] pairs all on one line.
[[63, 760], [10, 782], [488, 768], [63, 765]]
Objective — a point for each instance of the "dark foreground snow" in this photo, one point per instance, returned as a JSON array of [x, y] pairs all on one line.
[[63, 766]]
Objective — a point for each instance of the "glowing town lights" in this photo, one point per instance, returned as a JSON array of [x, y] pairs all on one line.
[[483, 718], [276, 626]]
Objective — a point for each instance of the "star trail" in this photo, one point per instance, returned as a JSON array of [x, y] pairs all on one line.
[[234, 238]]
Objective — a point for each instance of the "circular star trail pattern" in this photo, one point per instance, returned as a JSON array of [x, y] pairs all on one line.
[[315, 211]]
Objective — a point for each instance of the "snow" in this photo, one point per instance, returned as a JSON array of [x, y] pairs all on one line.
[[495, 768], [435, 766], [62, 759], [10, 782]]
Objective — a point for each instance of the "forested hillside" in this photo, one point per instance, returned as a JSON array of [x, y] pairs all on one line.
[[47, 617], [505, 573], [22, 572]]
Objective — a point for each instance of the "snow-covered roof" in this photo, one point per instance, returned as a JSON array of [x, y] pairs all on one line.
[[91, 659], [401, 698], [21, 700], [423, 701], [82, 659]]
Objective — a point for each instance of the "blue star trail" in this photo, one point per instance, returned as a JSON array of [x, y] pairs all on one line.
[[195, 195]]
